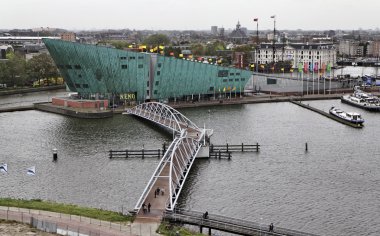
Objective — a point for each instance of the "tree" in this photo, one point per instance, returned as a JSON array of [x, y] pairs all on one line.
[[15, 72], [211, 48], [42, 67], [157, 39], [198, 49]]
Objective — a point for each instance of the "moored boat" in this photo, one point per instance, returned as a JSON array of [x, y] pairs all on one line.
[[352, 117], [362, 100]]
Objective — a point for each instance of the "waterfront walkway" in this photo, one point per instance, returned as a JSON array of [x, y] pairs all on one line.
[[66, 224]]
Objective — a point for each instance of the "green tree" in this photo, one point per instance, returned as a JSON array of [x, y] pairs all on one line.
[[15, 72], [211, 48], [42, 67], [198, 49], [157, 39]]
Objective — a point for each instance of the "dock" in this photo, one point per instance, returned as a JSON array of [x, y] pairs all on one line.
[[328, 115]]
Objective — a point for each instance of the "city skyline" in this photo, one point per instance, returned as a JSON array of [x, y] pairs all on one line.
[[189, 15]]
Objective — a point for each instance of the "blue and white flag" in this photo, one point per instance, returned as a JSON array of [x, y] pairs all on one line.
[[4, 168], [31, 170]]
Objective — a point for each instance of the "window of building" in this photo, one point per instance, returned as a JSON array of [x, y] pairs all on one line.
[[78, 67], [140, 66], [237, 73], [159, 65], [157, 83], [222, 73], [211, 89], [85, 85], [77, 85], [132, 58], [224, 80], [155, 91], [124, 66], [242, 79], [147, 83], [236, 79], [232, 74], [80, 76], [141, 57], [147, 92], [158, 72], [231, 80], [69, 67], [123, 58]]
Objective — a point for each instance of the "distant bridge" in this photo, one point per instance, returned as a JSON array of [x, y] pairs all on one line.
[[174, 167], [227, 224]]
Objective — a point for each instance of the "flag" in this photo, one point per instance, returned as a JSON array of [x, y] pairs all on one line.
[[4, 168], [31, 170], [255, 19], [329, 67], [305, 67], [274, 16], [316, 66], [299, 67]]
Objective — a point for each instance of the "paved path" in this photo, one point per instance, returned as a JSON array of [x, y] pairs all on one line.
[[77, 224]]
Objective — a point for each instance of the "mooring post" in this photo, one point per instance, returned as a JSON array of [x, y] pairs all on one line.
[[257, 147], [306, 147], [142, 152], [164, 147], [159, 154], [110, 155], [200, 228], [242, 147], [55, 154], [212, 148], [229, 155], [219, 154], [209, 231], [227, 147], [126, 153]]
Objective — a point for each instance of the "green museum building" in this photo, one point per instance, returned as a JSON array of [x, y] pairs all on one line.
[[121, 76]]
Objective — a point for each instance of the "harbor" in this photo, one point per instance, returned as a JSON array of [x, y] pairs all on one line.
[[264, 179]]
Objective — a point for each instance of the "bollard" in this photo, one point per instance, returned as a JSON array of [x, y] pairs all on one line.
[[257, 147], [55, 154], [126, 153], [219, 153], [242, 147], [164, 147], [306, 147], [142, 153], [159, 155], [227, 147]]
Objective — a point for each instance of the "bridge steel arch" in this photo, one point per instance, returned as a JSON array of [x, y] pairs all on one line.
[[164, 115]]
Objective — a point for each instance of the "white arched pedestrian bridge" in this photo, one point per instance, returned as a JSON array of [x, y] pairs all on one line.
[[174, 167]]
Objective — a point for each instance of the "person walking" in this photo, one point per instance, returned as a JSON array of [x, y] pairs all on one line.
[[149, 207], [144, 207]]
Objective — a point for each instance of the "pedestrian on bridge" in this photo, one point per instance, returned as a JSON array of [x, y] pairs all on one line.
[[144, 207], [149, 207], [271, 227]]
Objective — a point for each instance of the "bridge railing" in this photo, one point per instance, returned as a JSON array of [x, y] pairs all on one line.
[[157, 171], [228, 223]]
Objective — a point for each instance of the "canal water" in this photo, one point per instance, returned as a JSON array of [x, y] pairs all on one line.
[[332, 189]]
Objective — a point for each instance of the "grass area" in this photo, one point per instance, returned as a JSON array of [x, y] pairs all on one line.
[[171, 230], [38, 204]]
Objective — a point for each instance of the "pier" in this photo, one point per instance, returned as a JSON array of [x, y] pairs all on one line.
[[328, 115], [226, 224]]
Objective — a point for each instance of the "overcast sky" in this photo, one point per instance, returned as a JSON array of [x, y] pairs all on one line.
[[189, 14]]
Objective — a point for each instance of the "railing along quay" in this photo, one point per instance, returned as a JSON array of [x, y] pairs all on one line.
[[235, 147], [227, 224]]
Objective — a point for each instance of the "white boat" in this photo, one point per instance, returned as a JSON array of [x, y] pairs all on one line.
[[352, 117], [362, 100]]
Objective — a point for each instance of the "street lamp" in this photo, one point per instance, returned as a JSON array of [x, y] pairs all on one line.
[[274, 37]]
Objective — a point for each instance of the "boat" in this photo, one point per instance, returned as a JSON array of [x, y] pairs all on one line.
[[362, 100], [352, 117]]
